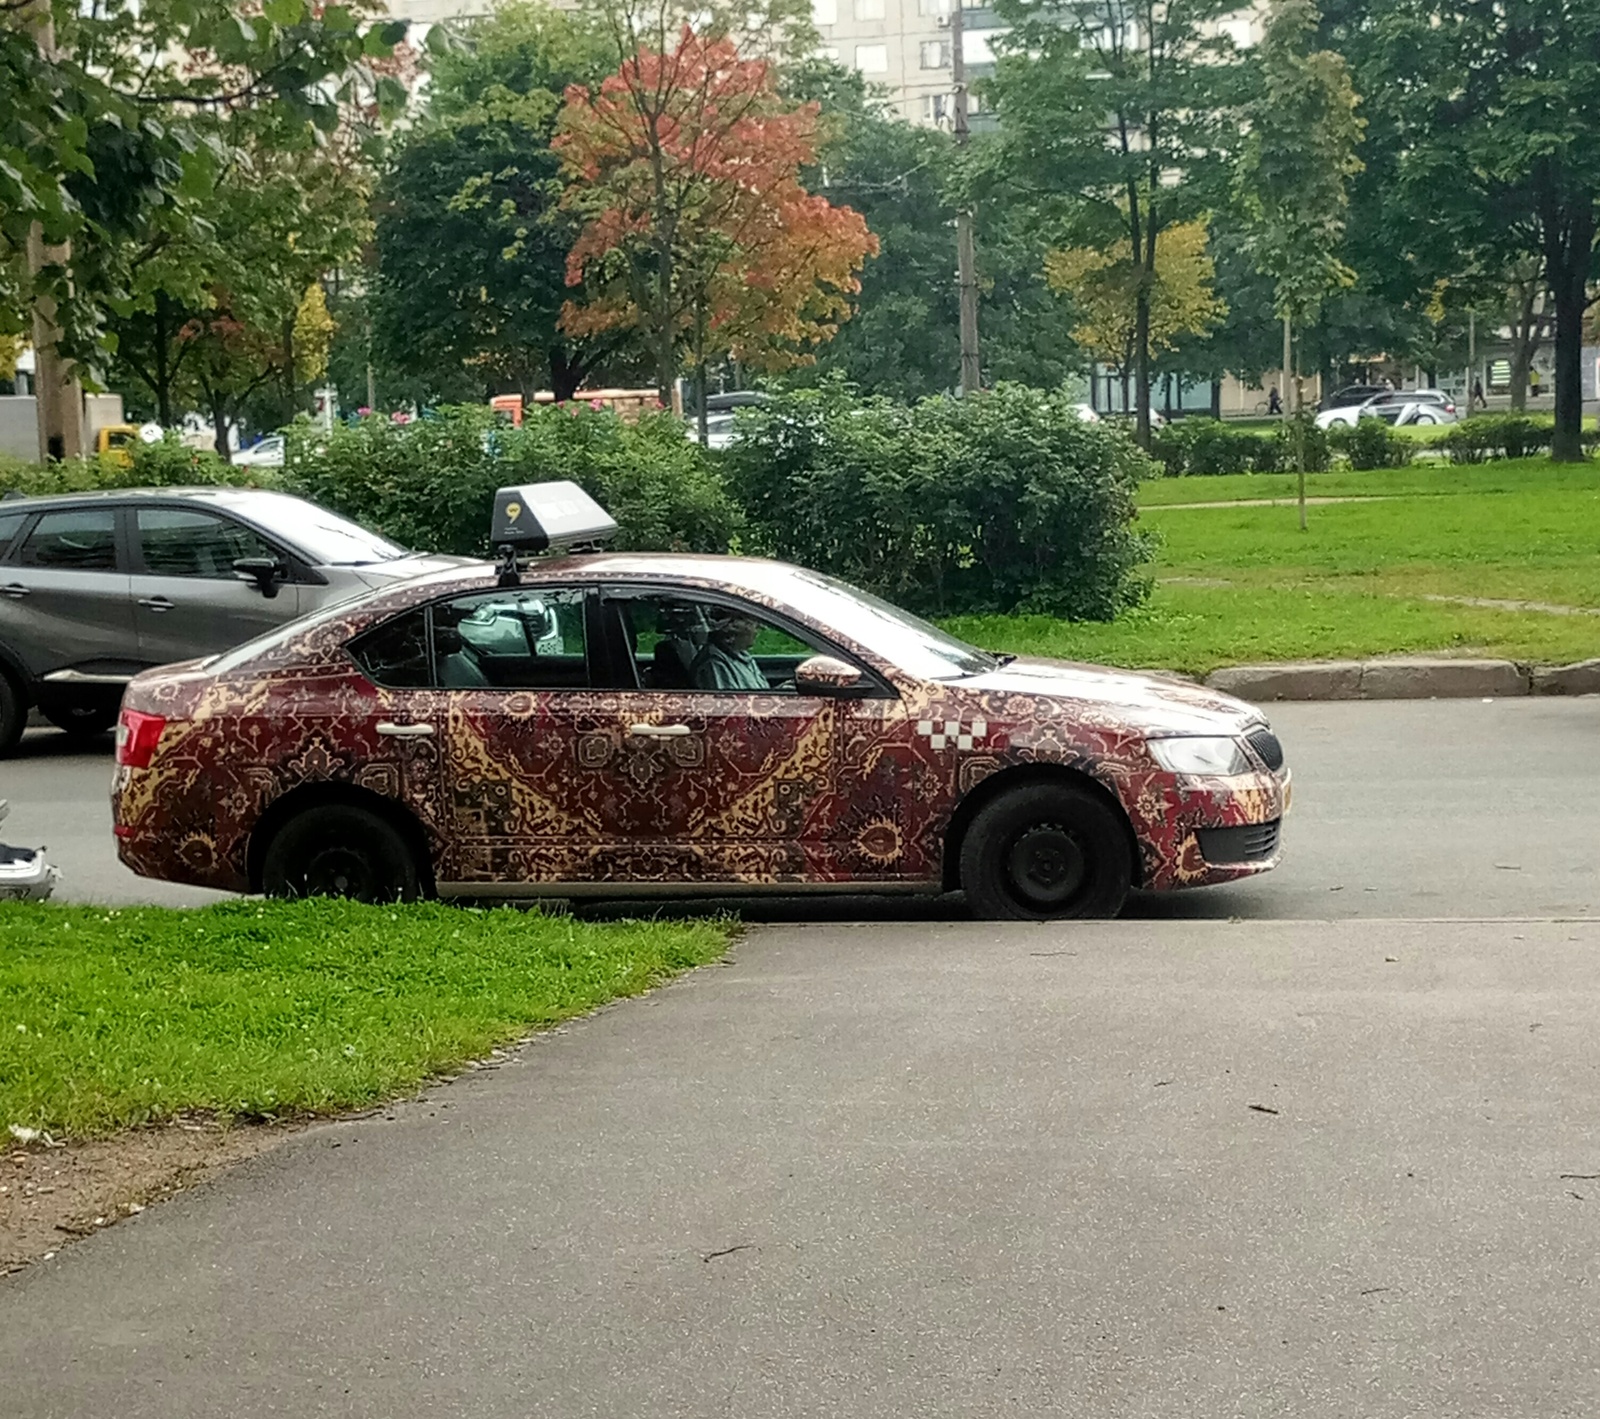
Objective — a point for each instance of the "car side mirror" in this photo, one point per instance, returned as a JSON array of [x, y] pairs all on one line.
[[824, 675], [265, 572]]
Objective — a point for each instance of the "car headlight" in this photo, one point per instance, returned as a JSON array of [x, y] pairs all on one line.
[[1212, 757]]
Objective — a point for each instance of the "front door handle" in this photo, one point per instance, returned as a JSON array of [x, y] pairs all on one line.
[[15, 590], [156, 603], [661, 731], [405, 731]]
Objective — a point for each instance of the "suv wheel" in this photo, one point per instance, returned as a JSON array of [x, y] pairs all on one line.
[[81, 720], [340, 850], [1046, 852], [13, 714]]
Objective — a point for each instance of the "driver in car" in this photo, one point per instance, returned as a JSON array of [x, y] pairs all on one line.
[[725, 663]]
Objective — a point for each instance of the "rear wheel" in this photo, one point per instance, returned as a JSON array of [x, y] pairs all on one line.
[[13, 714], [1046, 852], [81, 720], [340, 850]]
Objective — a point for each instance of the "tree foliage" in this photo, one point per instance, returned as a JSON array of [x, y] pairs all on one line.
[[697, 234]]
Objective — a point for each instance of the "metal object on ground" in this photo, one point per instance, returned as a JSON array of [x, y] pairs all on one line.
[[24, 873]]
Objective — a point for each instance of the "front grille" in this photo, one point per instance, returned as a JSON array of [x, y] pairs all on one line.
[[1255, 842], [1267, 748]]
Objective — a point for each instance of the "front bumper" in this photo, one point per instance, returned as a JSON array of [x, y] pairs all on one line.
[[1197, 832]]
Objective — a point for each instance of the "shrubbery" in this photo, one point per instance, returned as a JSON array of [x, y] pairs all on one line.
[[1372, 443], [1201, 448], [155, 465], [1002, 503], [430, 483], [1488, 436]]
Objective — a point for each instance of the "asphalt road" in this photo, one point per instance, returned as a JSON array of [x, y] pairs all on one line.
[[1453, 809], [1128, 1170]]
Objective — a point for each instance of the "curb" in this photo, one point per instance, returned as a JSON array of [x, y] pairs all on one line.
[[1413, 678]]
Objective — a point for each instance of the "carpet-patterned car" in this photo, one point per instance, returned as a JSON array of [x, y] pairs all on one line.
[[648, 724]]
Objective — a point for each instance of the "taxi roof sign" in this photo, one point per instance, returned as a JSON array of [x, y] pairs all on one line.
[[539, 516]]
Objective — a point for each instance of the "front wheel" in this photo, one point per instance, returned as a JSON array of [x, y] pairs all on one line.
[[1046, 852], [340, 850]]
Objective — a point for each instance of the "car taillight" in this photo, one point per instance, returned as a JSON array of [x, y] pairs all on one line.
[[1449, 408], [137, 737]]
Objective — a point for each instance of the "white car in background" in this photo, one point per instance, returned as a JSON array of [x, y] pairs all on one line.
[[1399, 407], [268, 453]]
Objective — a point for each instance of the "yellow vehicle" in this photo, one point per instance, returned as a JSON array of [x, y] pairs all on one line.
[[114, 442]]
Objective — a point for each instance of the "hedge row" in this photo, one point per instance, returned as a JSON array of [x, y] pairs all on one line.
[[1004, 503], [1200, 448], [1485, 437]]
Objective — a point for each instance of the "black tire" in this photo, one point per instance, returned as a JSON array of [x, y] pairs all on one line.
[[1047, 852], [13, 714], [81, 721], [340, 850]]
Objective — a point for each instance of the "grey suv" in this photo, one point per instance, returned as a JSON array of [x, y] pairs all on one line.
[[95, 587]]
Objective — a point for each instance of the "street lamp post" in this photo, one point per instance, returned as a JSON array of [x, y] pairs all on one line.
[[966, 246]]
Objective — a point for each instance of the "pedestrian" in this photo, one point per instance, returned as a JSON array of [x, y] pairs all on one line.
[[1478, 401], [1533, 382], [1274, 404]]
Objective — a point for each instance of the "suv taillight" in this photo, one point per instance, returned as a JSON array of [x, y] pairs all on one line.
[[137, 737]]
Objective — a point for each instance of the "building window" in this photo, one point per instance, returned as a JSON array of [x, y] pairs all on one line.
[[869, 9], [936, 108], [872, 58], [933, 7], [825, 12], [829, 51], [935, 54]]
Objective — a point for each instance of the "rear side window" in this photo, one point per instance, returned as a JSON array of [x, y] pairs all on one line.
[[79, 541], [397, 654], [178, 542], [10, 525]]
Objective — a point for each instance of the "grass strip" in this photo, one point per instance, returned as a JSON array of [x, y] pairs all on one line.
[[115, 1017]]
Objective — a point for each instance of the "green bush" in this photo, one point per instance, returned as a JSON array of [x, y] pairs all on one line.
[[1371, 443], [1489, 436], [1002, 503], [430, 483], [1317, 446], [154, 465], [1198, 448]]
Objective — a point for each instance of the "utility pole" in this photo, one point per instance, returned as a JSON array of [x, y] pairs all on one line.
[[966, 252], [58, 394]]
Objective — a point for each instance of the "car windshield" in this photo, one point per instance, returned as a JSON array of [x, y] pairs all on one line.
[[899, 637], [326, 538]]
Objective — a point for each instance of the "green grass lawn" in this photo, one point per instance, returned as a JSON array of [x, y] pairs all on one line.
[[116, 1017], [1243, 584]]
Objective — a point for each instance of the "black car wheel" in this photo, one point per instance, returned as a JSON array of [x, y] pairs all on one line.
[[340, 850], [81, 720], [1046, 852], [13, 714]]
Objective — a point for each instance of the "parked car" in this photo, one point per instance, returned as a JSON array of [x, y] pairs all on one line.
[[648, 724], [1353, 394], [1395, 406], [268, 453], [95, 587]]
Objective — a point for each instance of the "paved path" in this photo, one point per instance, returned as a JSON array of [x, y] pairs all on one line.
[[1454, 808], [1126, 1171]]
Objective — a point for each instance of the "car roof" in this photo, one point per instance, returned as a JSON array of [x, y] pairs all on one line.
[[219, 496], [751, 574]]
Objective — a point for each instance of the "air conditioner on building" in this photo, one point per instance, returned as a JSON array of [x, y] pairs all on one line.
[[943, 21]]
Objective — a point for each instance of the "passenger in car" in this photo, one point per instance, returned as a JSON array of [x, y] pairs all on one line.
[[726, 662]]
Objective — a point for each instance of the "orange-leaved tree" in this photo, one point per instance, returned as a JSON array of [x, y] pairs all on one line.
[[697, 233]]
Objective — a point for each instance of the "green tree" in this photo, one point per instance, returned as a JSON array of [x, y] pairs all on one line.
[[471, 243], [1299, 155], [1113, 118]]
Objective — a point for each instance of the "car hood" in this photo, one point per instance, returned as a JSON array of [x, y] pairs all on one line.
[[381, 574], [1151, 704]]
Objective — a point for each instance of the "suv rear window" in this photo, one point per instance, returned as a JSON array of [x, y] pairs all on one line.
[[80, 541]]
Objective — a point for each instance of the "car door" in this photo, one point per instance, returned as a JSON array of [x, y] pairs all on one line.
[[187, 600], [705, 764], [66, 609]]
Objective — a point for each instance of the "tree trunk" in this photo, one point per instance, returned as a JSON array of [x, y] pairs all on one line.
[[1569, 254], [1527, 334], [566, 375], [1141, 364], [219, 423], [1521, 361]]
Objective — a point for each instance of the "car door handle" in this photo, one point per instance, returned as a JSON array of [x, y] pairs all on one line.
[[15, 590], [405, 731], [661, 731], [156, 603]]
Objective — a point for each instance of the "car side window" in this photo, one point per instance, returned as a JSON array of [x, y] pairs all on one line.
[[397, 654], [516, 638], [687, 644], [80, 540], [10, 525], [181, 542]]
